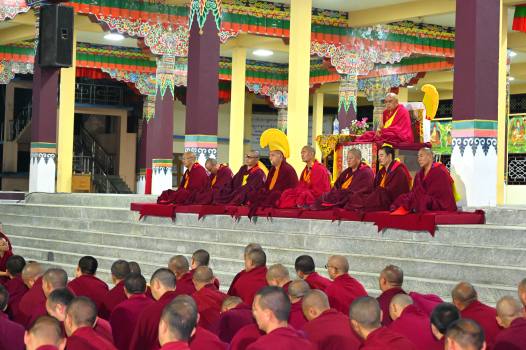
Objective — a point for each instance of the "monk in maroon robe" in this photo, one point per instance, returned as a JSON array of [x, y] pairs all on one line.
[[177, 335], [219, 176], [510, 316], [521, 290], [390, 282], [358, 179], [208, 299], [195, 180], [179, 265], [124, 316], [465, 298], [6, 251], [327, 328], [81, 314], [146, 333], [15, 286], [396, 125], [203, 339], [296, 291], [271, 311], [87, 284], [235, 314], [466, 334], [365, 317], [314, 181], [391, 181], [11, 333], [443, 316], [344, 289], [119, 270], [432, 188], [278, 275], [249, 179], [409, 321], [246, 336], [247, 282], [34, 298], [45, 334], [306, 270]]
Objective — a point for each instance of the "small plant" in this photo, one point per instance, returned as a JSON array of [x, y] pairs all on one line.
[[358, 127]]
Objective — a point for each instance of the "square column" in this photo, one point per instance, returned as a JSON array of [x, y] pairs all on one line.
[[237, 108]]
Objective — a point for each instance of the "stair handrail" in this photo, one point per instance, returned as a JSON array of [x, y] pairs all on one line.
[[100, 155], [18, 124]]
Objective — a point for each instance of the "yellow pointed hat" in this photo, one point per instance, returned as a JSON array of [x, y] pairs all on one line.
[[276, 140], [431, 100]]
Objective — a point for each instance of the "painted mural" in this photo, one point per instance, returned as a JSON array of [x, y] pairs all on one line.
[[517, 134], [441, 135]]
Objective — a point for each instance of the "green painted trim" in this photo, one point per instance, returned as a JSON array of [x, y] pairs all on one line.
[[475, 124], [200, 138], [43, 145]]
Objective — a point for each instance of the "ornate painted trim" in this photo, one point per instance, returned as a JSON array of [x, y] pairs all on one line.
[[474, 133]]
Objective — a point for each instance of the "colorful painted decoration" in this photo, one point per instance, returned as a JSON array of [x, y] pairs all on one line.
[[517, 134], [348, 92], [10, 8], [379, 86], [441, 139], [200, 9]]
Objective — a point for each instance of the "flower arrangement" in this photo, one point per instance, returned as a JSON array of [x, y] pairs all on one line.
[[358, 127]]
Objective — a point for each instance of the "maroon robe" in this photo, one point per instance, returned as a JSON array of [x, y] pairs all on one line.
[[16, 289], [206, 340], [485, 316], [103, 328], [113, 297], [185, 285], [343, 291], [47, 347], [359, 182], [246, 336], [11, 334], [296, 317], [188, 278], [416, 326], [3, 260], [242, 186], [146, 334], [513, 337], [400, 130], [246, 284], [332, 331], [32, 305], [314, 182], [85, 338], [384, 300], [284, 338], [397, 181], [271, 192], [383, 338], [218, 182], [209, 301], [176, 345], [317, 281], [194, 181], [124, 318], [425, 302], [431, 192], [231, 321], [91, 287]]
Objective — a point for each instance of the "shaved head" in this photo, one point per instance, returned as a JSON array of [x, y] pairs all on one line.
[[356, 152], [54, 279], [393, 275], [165, 277], [252, 246], [135, 267], [443, 315], [179, 265], [337, 265], [203, 274], [402, 300], [120, 269], [463, 294], [298, 289], [82, 311], [508, 309], [317, 299], [31, 272], [189, 155], [392, 95], [15, 265], [466, 333], [366, 312], [180, 318], [522, 291], [46, 330], [277, 275], [201, 258], [211, 162], [274, 299], [257, 257], [428, 151], [230, 303]]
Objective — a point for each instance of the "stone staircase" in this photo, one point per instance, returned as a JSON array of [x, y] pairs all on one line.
[[58, 229]]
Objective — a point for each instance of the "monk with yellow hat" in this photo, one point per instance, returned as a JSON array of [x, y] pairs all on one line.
[[281, 176]]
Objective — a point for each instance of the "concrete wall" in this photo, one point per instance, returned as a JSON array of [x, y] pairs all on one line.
[[515, 195]]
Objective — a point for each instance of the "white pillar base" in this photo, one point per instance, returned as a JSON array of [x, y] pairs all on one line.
[[161, 175], [42, 170], [141, 182]]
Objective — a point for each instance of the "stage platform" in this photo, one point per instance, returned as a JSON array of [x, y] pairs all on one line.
[[58, 229]]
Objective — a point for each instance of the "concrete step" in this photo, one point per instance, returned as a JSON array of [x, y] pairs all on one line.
[[89, 199], [506, 216]]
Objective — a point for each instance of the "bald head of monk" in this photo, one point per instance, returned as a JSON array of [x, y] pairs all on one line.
[[134, 284], [203, 276], [178, 320], [277, 275], [251, 158], [276, 158], [46, 330], [391, 101], [337, 265], [161, 282], [54, 279], [31, 272], [465, 334], [391, 277], [463, 294], [425, 158], [230, 303], [297, 290], [188, 159], [57, 303], [212, 165], [398, 304], [442, 316], [354, 158], [87, 266], [254, 259], [200, 258], [365, 315], [271, 308], [81, 312], [522, 292], [119, 270], [314, 303], [179, 265], [250, 247], [508, 310], [308, 154]]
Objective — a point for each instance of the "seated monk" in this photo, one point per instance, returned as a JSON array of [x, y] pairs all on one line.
[[314, 181], [296, 291], [392, 180], [220, 177], [344, 289], [208, 299], [443, 316], [195, 180], [281, 176], [178, 321], [249, 179], [510, 316], [433, 188], [235, 314], [45, 334], [6, 251], [248, 281], [11, 333], [358, 178], [396, 125], [390, 282], [466, 334]]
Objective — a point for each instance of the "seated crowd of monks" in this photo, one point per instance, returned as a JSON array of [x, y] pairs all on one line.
[[182, 307]]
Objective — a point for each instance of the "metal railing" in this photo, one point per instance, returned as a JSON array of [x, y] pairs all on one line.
[[21, 121], [99, 94]]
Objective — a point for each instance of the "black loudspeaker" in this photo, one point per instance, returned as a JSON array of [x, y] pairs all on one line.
[[55, 48]]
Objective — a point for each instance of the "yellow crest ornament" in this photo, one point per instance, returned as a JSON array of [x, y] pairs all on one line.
[[275, 140]]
